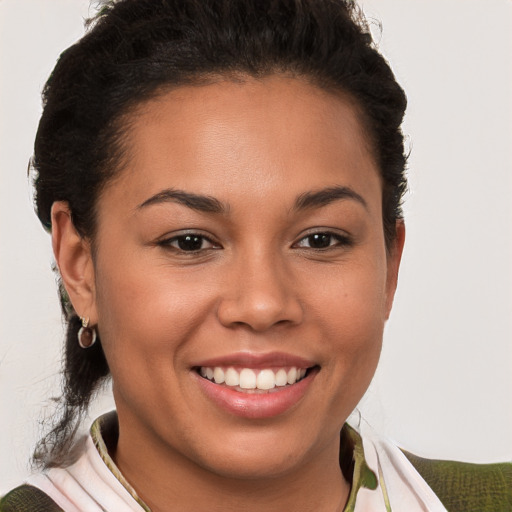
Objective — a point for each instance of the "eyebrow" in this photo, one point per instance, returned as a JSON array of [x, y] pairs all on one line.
[[326, 196], [197, 202], [208, 204]]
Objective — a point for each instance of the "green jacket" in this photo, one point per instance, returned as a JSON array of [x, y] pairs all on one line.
[[461, 487]]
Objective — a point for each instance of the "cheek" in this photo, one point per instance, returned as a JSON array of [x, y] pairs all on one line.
[[352, 309], [352, 298], [146, 313], [145, 320]]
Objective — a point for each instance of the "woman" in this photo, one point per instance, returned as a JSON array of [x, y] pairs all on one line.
[[222, 181]]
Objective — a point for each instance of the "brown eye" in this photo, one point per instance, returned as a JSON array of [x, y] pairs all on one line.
[[323, 240], [189, 243], [320, 240]]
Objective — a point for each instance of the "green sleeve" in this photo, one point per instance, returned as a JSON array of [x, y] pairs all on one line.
[[465, 487], [27, 498]]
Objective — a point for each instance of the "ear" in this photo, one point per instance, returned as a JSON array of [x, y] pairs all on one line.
[[73, 256], [393, 264]]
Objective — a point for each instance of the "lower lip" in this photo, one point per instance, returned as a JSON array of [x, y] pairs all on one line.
[[256, 405]]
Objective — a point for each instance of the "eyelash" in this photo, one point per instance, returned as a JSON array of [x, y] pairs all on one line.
[[197, 238]]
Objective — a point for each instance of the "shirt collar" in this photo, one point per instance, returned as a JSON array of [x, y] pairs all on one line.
[[105, 432]]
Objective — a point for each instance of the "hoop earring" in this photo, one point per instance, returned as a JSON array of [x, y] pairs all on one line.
[[86, 334]]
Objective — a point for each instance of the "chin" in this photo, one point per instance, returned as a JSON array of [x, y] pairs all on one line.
[[262, 453], [253, 464]]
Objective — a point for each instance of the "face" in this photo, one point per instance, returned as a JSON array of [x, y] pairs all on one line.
[[241, 279]]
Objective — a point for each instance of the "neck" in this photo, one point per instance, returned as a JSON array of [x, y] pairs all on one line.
[[161, 475]]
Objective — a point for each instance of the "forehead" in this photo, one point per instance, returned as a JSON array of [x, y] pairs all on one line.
[[230, 139]]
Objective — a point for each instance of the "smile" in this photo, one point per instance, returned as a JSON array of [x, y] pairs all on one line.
[[255, 386], [252, 380]]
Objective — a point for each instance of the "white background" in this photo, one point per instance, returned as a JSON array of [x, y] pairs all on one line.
[[444, 387]]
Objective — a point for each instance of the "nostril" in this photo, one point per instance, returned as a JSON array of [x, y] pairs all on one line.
[[260, 312]]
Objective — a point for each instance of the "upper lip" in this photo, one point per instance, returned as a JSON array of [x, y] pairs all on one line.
[[254, 360]]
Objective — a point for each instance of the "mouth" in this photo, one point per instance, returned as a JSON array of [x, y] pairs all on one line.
[[256, 386], [254, 380]]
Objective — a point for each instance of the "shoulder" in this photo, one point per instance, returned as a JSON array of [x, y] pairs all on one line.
[[466, 487], [27, 498]]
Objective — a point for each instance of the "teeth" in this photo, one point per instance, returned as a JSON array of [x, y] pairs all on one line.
[[232, 377], [248, 378], [218, 375], [266, 380], [292, 375], [281, 378]]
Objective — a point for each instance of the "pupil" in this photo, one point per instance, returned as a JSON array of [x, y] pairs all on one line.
[[190, 243], [319, 240]]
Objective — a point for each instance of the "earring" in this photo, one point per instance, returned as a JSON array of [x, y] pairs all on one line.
[[86, 335]]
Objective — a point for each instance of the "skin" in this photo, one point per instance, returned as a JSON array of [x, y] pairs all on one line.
[[257, 287]]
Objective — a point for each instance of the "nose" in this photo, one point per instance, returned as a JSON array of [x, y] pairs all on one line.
[[259, 294]]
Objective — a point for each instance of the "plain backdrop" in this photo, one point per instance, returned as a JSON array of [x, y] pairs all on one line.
[[444, 385]]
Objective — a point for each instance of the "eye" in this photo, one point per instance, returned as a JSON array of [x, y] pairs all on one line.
[[323, 240], [189, 242]]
